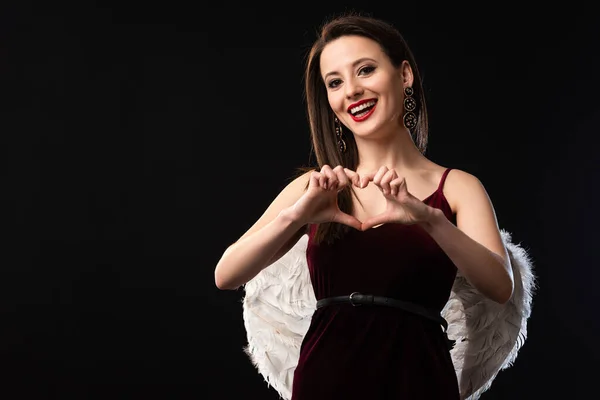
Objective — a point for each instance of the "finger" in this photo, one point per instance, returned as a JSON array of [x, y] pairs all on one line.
[[343, 179], [323, 181], [332, 181], [314, 180], [385, 181], [373, 221], [347, 219], [359, 180], [353, 176], [365, 178], [379, 175], [398, 186]]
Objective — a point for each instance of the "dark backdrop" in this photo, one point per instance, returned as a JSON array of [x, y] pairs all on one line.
[[140, 139]]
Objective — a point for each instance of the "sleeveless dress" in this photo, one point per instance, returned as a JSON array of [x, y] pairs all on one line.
[[377, 352]]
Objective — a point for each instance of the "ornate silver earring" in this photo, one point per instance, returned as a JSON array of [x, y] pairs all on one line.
[[339, 135], [410, 104]]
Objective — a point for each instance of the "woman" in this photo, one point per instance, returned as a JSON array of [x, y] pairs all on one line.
[[388, 228]]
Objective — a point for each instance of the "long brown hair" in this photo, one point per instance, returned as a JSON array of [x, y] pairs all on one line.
[[321, 116]]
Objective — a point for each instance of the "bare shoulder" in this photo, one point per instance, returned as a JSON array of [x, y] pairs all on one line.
[[290, 193], [475, 214], [460, 185]]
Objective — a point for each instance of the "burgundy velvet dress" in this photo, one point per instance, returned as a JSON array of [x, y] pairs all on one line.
[[377, 352]]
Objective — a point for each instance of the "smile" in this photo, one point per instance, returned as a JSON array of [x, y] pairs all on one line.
[[362, 110]]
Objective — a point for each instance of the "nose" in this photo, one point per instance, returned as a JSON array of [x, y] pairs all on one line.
[[353, 89]]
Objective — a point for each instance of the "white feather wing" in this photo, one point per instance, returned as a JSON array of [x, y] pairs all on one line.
[[489, 335], [277, 308]]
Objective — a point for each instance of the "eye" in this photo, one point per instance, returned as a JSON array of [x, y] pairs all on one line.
[[366, 70], [334, 83]]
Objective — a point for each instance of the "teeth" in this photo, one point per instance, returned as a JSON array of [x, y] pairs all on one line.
[[357, 109]]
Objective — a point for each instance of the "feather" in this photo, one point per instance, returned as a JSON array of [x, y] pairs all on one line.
[[489, 335], [277, 309], [279, 302]]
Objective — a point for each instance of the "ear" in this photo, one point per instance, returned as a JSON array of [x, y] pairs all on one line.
[[406, 74]]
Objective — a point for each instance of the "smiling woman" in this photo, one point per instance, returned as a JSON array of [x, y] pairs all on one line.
[[385, 228]]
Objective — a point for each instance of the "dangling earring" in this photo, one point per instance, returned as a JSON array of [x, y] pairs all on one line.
[[410, 104], [339, 135]]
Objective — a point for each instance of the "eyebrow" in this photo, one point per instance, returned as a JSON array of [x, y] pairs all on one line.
[[354, 64]]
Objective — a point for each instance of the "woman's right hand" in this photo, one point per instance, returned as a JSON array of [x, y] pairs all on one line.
[[319, 203]]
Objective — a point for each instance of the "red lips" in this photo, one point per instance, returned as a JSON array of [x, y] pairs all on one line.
[[358, 103], [363, 116]]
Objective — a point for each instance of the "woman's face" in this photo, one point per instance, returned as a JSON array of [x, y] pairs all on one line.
[[364, 89]]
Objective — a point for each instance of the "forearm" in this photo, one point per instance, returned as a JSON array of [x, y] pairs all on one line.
[[244, 259], [484, 269]]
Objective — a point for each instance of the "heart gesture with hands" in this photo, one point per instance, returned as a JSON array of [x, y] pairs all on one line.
[[319, 203], [401, 206]]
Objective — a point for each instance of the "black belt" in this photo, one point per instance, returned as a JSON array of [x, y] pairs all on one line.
[[358, 299]]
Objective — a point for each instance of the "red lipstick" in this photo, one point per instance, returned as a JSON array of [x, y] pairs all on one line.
[[362, 115]]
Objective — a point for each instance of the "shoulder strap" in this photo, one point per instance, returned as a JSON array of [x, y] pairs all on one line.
[[444, 175]]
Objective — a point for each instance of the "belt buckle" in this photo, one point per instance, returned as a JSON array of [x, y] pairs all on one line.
[[352, 302]]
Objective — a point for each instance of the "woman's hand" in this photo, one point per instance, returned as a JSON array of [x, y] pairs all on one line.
[[401, 206], [319, 203]]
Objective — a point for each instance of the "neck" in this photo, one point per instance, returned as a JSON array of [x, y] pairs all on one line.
[[397, 151]]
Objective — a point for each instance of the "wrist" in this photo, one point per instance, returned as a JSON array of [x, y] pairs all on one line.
[[435, 217], [290, 217]]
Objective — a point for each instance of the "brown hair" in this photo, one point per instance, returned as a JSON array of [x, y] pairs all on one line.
[[321, 117]]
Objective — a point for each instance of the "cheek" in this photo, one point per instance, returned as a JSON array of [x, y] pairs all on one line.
[[336, 102], [394, 100]]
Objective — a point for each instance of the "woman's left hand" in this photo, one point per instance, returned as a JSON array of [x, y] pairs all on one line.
[[401, 206]]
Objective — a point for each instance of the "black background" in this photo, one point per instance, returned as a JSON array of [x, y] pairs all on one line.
[[140, 139]]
